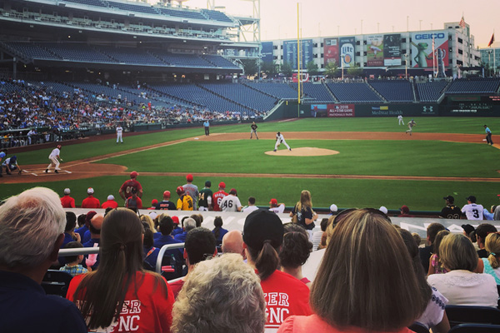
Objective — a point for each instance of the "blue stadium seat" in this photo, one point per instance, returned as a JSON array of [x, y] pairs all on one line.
[[473, 86], [353, 92], [394, 90], [431, 91], [242, 95], [279, 90]]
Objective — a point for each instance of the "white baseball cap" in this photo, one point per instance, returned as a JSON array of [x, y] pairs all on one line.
[[383, 209], [111, 197], [333, 208], [153, 215], [90, 190], [67, 191]]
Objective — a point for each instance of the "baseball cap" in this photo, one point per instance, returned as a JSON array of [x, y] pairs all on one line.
[[208, 183], [471, 198], [90, 215], [260, 226], [134, 174], [154, 202], [67, 191], [498, 195], [333, 208], [189, 178], [166, 194], [273, 202], [405, 209], [450, 199], [180, 190], [383, 209], [90, 190], [59, 146], [175, 219], [153, 215], [111, 197], [233, 191], [222, 185], [468, 228]]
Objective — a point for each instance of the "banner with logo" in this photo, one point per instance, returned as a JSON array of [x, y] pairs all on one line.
[[421, 49], [347, 51], [392, 50], [375, 51], [331, 51], [290, 52], [267, 52], [341, 110]]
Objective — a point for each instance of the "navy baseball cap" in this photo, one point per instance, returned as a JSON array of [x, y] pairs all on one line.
[[449, 198], [471, 198]]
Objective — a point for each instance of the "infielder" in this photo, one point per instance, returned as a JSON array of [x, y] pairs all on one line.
[[254, 130], [119, 132], [55, 159], [280, 140], [400, 119], [411, 123]]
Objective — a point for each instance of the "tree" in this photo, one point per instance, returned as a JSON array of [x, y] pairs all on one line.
[[269, 68], [286, 69], [331, 69], [250, 66], [354, 70], [312, 68]]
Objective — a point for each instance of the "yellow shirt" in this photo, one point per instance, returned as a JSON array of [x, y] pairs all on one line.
[[185, 203]]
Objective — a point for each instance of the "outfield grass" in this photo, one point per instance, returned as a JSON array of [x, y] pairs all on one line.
[[391, 158]]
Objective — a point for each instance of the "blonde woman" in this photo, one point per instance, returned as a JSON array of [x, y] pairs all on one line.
[[303, 211], [492, 263]]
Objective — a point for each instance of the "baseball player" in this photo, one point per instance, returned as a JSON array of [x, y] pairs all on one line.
[[2, 155], [55, 159], [10, 165], [411, 123], [280, 140], [488, 135], [400, 119], [218, 196], [185, 202], [472, 210], [254, 130], [119, 132]]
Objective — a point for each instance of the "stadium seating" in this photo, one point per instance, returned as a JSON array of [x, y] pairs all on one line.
[[32, 51], [219, 61], [317, 91], [216, 16], [131, 56], [132, 7], [353, 92], [394, 90], [473, 86], [243, 95], [77, 52], [459, 314], [181, 13], [96, 3], [279, 90], [431, 91], [185, 60]]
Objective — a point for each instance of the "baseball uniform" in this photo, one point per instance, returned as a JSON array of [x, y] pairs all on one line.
[[473, 211], [206, 125], [217, 198], [411, 123], [254, 130], [54, 160], [205, 198], [192, 191], [185, 203], [280, 139], [400, 119], [230, 203], [119, 134], [128, 185], [2, 155]]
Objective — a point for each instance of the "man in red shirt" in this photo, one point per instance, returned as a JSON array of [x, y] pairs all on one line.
[[66, 200], [90, 201], [217, 196], [126, 188], [111, 203]]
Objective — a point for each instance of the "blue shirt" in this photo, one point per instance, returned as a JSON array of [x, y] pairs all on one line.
[[206, 124], [167, 239], [487, 130], [25, 308], [81, 231]]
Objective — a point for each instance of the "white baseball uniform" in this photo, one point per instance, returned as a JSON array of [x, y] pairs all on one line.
[[54, 159], [119, 131], [230, 203], [400, 118], [281, 139], [473, 211]]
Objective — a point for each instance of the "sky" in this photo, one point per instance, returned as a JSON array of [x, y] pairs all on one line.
[[327, 18]]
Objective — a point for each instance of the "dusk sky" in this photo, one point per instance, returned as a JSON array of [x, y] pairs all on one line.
[[323, 18]]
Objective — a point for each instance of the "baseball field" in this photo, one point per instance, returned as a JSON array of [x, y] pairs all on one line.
[[369, 162]]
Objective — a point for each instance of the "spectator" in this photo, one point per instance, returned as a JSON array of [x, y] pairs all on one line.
[[111, 203], [275, 207], [319, 237], [31, 233], [218, 196], [263, 236], [166, 227], [461, 286], [295, 251], [218, 231], [496, 213], [481, 232], [404, 211], [450, 211], [232, 242], [67, 201], [205, 197], [95, 227], [231, 202], [199, 309], [303, 213], [488, 215], [133, 201], [166, 204], [187, 225], [125, 190], [469, 232], [120, 289], [90, 201], [154, 202], [84, 230], [150, 252], [251, 206], [352, 289], [417, 239], [198, 218], [191, 190], [435, 265], [73, 266], [146, 218], [69, 230], [177, 230], [185, 202], [199, 246], [434, 316], [384, 210], [472, 210], [492, 263], [425, 252]]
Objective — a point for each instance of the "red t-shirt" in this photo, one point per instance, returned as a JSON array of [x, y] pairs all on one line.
[[110, 204], [67, 202], [91, 202], [129, 185], [176, 287], [217, 198], [285, 296], [150, 310], [131, 203]]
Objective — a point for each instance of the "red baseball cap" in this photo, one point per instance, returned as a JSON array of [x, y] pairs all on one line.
[[175, 219], [154, 202], [189, 178], [222, 184], [273, 202], [233, 191], [134, 174], [180, 190], [166, 194]]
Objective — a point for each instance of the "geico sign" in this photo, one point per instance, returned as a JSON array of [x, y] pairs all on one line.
[[430, 36]]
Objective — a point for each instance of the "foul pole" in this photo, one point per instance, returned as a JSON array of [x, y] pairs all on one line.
[[298, 62]]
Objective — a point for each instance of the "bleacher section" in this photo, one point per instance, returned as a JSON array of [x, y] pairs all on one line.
[[431, 91], [394, 91], [181, 13], [96, 3], [243, 95], [187, 60], [132, 8], [131, 56], [216, 16], [353, 92], [279, 90], [32, 51], [219, 61], [316, 91], [76, 52], [473, 86]]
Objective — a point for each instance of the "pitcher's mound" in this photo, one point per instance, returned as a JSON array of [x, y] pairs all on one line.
[[303, 151]]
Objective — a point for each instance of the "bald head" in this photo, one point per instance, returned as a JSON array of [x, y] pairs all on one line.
[[233, 242], [96, 225]]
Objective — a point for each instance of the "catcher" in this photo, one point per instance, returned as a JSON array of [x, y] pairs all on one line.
[[10, 165], [280, 140]]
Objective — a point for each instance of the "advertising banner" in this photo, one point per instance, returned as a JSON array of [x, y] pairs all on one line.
[[392, 50], [267, 52], [421, 49], [347, 51], [331, 51], [340, 110], [375, 51], [290, 52]]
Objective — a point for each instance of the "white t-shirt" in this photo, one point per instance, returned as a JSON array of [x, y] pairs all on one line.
[[230, 203], [473, 211], [434, 311], [250, 209], [54, 153], [278, 210]]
